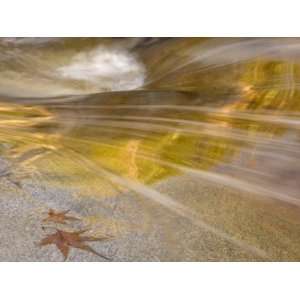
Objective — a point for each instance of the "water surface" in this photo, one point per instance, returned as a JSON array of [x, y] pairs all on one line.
[[182, 149]]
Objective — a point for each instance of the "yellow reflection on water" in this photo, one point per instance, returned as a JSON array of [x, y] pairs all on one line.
[[227, 123]]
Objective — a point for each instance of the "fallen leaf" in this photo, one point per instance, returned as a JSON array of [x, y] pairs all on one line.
[[64, 240], [59, 217]]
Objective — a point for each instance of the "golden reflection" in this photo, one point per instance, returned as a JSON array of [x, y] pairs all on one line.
[[231, 124]]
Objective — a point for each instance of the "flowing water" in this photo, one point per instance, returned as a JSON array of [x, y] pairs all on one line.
[[180, 148]]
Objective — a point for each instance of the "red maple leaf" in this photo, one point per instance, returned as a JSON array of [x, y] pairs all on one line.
[[64, 240]]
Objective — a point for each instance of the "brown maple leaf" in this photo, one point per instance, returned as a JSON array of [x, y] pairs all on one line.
[[59, 217], [65, 239]]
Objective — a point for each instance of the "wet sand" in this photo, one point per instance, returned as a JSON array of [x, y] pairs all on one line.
[[146, 231]]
